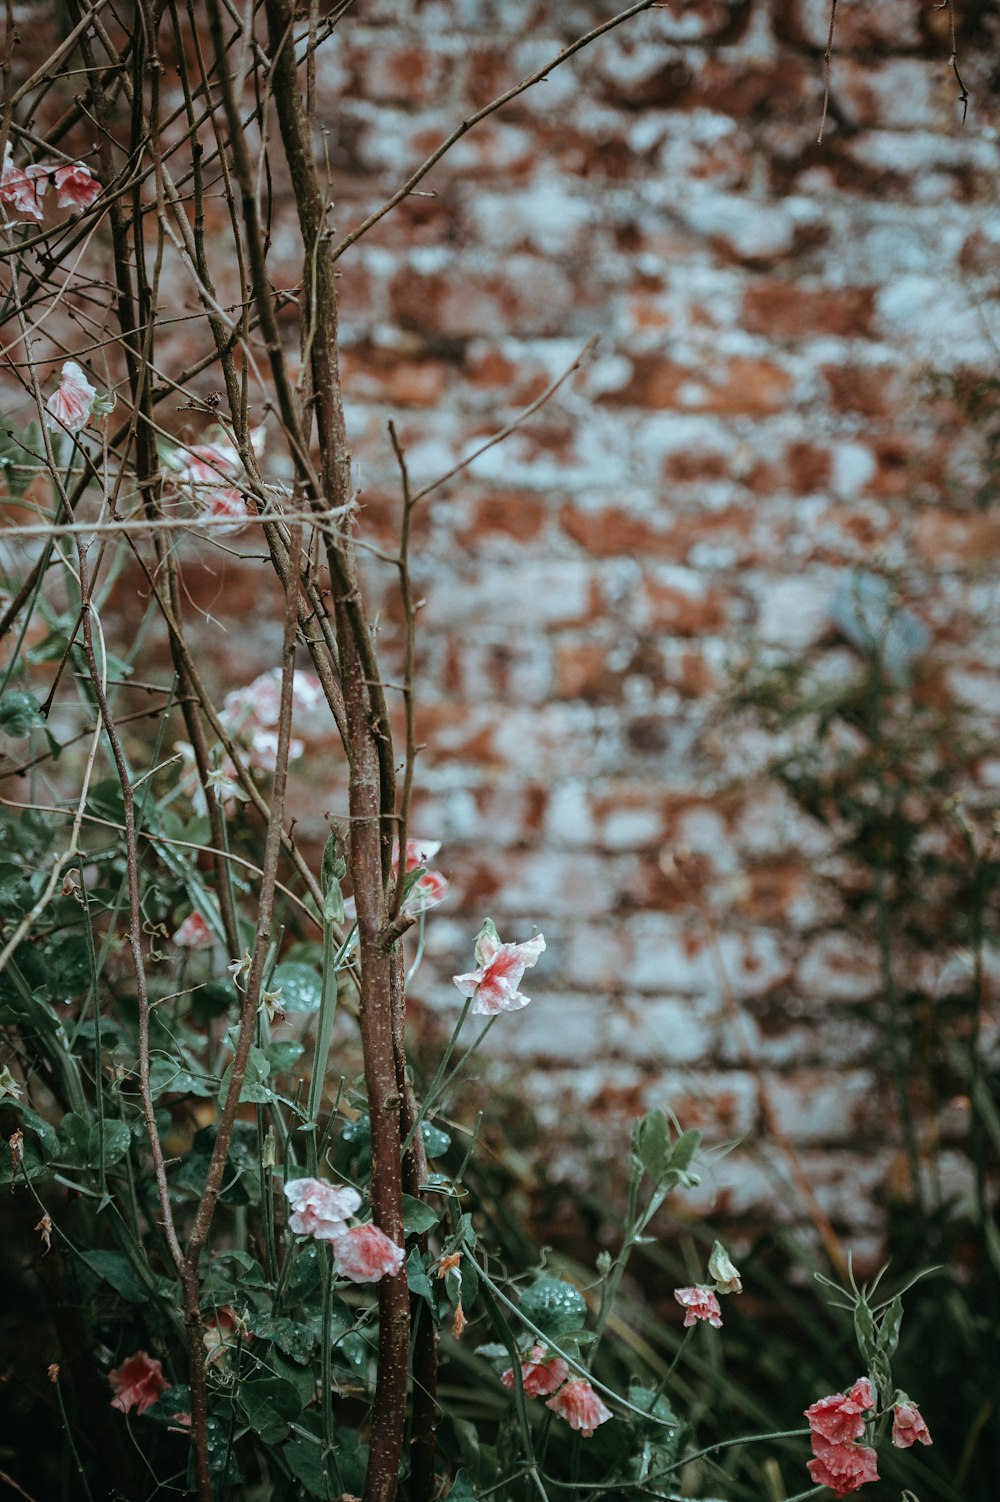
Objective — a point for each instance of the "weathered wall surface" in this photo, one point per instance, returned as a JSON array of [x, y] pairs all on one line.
[[756, 423]]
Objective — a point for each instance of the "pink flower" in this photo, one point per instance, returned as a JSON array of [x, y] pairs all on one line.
[[700, 1303], [320, 1209], [206, 468], [908, 1425], [194, 933], [493, 986], [840, 1418], [577, 1403], [538, 1376], [845, 1468], [76, 187], [137, 1383], [365, 1254], [22, 189], [72, 402], [430, 888]]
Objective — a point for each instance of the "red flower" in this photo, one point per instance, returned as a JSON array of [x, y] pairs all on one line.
[[845, 1468], [700, 1303], [365, 1254], [577, 1403], [137, 1383], [908, 1425], [840, 1418], [538, 1376]]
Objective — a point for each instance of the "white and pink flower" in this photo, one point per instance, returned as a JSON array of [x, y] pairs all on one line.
[[427, 891], [320, 1209], [578, 1403], [193, 933], [137, 1383], [539, 1377], [208, 470], [76, 187], [493, 986], [700, 1303], [70, 405], [22, 189], [365, 1254]]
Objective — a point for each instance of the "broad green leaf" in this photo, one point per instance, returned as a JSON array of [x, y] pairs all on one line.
[[19, 712], [288, 1335], [305, 1460], [651, 1140], [888, 1334], [116, 1269], [270, 1406], [417, 1217], [436, 1142], [254, 1089], [82, 1140], [301, 986], [417, 1280]]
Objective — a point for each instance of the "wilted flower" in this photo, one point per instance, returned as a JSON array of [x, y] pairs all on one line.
[[720, 1268], [579, 1405], [840, 1418], [193, 933], [700, 1303], [224, 1330], [493, 986], [320, 1209], [137, 1383], [365, 1254], [72, 402], [908, 1425], [539, 1376], [208, 470], [845, 1468], [76, 187]]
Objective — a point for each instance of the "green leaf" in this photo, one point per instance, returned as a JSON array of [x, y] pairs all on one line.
[[18, 463], [301, 986], [417, 1217], [270, 1406], [888, 1335], [417, 1280], [683, 1151], [305, 1460], [461, 1489], [19, 712], [283, 1055], [81, 1137], [555, 1306], [864, 1330], [116, 1269], [651, 1143], [436, 1142], [254, 1088], [288, 1335], [168, 1076]]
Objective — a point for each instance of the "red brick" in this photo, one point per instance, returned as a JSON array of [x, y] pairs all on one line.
[[402, 74], [780, 309], [741, 387]]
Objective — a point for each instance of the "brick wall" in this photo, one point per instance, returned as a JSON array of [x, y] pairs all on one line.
[[756, 423]]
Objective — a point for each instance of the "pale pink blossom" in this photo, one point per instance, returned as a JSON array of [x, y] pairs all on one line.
[[700, 1303], [538, 1376], [365, 1254], [208, 470], [493, 987], [258, 705], [577, 1403], [908, 1425], [72, 402], [137, 1383], [320, 1209], [840, 1418], [193, 933], [431, 887], [21, 189], [844, 1467], [76, 187]]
